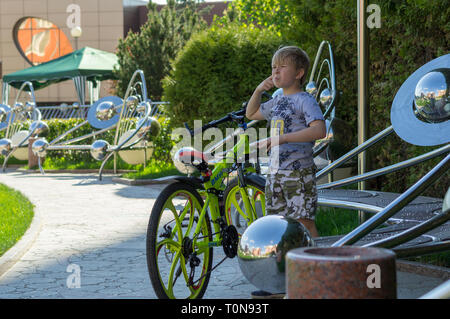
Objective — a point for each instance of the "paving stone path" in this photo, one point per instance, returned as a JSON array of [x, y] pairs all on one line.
[[98, 228]]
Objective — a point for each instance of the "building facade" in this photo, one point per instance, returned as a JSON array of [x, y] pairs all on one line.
[[35, 31]]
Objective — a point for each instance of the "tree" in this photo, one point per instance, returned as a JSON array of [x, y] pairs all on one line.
[[157, 43], [275, 15]]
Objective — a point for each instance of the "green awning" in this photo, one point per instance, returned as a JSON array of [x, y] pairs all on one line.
[[93, 64]]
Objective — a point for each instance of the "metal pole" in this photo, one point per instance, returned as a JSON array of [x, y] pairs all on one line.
[[363, 92]]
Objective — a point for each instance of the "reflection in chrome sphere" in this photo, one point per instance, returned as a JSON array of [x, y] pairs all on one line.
[[18, 107], [131, 102], [263, 248], [431, 97], [150, 128], [105, 111], [3, 114], [39, 128], [39, 147], [326, 98], [99, 149], [29, 106], [185, 159], [5, 146], [142, 107], [311, 88]]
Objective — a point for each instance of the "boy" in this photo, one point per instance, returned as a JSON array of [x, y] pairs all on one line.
[[296, 122]]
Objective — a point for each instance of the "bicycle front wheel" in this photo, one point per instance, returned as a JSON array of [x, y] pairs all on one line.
[[170, 248], [235, 211]]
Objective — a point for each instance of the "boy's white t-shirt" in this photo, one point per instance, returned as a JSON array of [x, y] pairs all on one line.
[[291, 113]]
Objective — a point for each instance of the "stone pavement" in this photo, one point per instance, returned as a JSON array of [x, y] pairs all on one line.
[[97, 229]]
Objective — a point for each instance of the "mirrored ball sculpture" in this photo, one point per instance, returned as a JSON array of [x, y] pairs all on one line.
[[99, 149], [39, 147], [39, 128], [420, 112], [150, 128], [105, 111], [431, 97], [5, 146], [263, 248]]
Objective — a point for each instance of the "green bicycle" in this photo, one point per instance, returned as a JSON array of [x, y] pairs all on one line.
[[193, 215]]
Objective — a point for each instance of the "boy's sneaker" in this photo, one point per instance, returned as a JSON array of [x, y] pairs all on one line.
[[261, 294]]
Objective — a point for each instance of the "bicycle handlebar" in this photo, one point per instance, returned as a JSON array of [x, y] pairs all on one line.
[[232, 116]]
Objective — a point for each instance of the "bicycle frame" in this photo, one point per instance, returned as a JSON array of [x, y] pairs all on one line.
[[214, 185]]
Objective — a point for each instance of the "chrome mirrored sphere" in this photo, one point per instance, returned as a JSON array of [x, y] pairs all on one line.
[[149, 128], [263, 248], [311, 88], [39, 128], [99, 149], [326, 98], [431, 96], [105, 111], [39, 147], [142, 107], [18, 107], [186, 158], [5, 146], [29, 106], [3, 114], [132, 102]]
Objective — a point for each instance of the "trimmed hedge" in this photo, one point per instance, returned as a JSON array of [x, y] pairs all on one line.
[[217, 71]]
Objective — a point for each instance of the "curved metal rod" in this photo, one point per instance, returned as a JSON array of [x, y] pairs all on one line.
[[387, 169], [40, 166], [396, 205], [127, 93], [80, 138], [440, 292], [423, 249], [6, 160], [67, 133], [344, 158], [100, 171], [412, 232], [30, 85]]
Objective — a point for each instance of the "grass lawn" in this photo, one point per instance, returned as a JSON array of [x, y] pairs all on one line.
[[154, 169], [332, 221], [16, 213]]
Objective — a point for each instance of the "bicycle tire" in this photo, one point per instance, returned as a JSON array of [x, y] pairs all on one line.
[[174, 245], [231, 191]]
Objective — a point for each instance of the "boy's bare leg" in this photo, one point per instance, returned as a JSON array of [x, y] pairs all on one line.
[[310, 225]]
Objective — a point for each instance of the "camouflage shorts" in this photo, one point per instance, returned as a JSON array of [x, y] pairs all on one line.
[[292, 193]]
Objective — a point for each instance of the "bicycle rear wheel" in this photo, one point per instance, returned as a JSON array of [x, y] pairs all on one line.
[[170, 250], [235, 211]]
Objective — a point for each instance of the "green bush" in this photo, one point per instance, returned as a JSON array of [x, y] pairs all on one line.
[[217, 71]]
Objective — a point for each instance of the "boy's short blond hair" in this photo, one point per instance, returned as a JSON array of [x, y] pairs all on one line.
[[294, 55]]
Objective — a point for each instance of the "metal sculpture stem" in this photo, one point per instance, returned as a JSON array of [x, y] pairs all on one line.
[[355, 151], [412, 232], [420, 250], [387, 169], [100, 172], [396, 205]]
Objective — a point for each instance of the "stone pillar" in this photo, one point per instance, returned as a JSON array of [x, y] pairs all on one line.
[[32, 159], [346, 272]]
